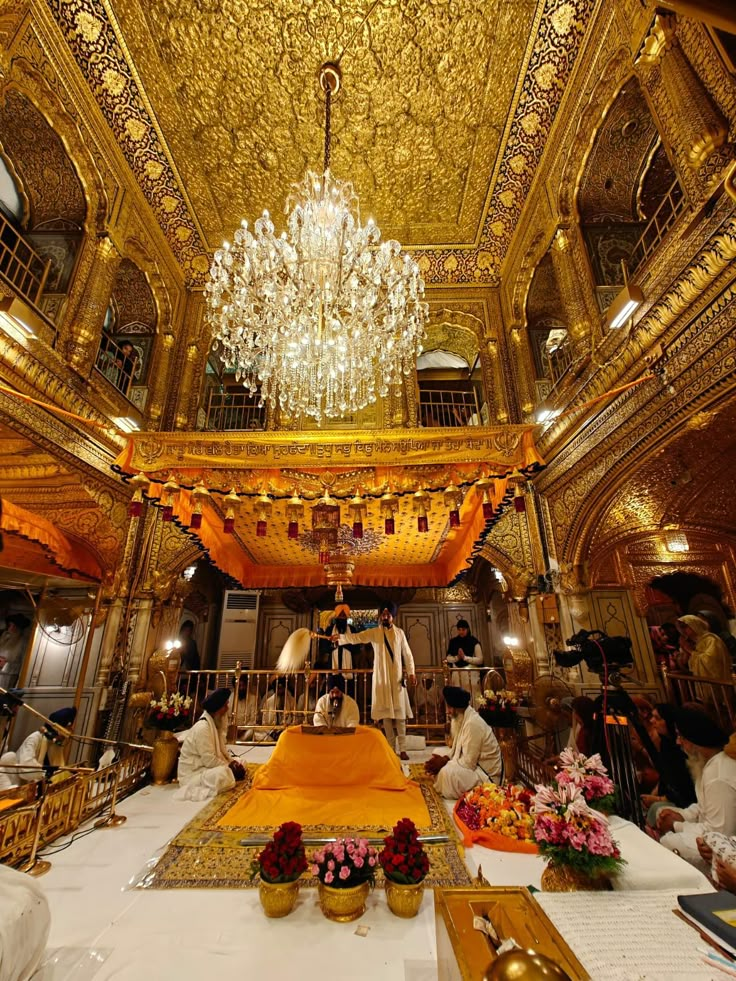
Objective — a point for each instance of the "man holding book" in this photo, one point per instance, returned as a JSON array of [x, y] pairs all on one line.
[[336, 710]]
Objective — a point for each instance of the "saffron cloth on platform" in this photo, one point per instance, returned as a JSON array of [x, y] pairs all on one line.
[[332, 781]]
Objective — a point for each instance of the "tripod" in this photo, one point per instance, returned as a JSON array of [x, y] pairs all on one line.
[[614, 710]]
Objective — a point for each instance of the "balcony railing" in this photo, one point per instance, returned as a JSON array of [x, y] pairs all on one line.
[[228, 411], [448, 408], [659, 224], [23, 268], [115, 365]]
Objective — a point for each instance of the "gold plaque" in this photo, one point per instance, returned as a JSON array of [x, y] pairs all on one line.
[[464, 953]]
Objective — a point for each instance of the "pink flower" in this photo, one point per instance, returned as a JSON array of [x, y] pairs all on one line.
[[314, 869], [331, 865], [344, 872], [358, 862], [329, 877]]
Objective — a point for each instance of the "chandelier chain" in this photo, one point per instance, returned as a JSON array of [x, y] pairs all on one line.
[[328, 118]]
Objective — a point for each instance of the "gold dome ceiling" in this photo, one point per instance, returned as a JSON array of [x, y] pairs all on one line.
[[441, 122]]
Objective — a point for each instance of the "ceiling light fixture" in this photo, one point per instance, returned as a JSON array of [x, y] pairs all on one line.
[[323, 319], [623, 307]]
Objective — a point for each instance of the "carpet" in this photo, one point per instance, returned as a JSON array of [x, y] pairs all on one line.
[[208, 854]]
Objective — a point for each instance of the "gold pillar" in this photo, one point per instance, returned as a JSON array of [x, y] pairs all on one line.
[[493, 383], [575, 282], [521, 358], [84, 327], [161, 382], [690, 122], [183, 406]]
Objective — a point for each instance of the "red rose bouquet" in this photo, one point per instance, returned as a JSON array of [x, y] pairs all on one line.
[[283, 859], [403, 858], [170, 712]]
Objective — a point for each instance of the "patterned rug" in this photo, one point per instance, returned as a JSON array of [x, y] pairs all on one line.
[[205, 855]]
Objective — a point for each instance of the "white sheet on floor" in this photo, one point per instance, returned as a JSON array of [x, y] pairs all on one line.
[[24, 925], [650, 865]]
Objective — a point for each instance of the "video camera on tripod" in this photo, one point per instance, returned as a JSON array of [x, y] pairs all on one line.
[[602, 654]]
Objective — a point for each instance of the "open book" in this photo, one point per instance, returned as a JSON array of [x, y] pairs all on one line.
[[308, 730]]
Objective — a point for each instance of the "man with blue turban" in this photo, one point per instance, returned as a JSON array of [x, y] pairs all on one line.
[[206, 767]]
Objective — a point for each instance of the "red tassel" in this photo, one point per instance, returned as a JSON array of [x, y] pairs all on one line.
[[135, 509], [357, 529], [229, 526], [196, 521], [487, 510], [261, 529], [454, 518], [167, 512], [422, 523], [389, 526], [293, 531], [520, 504]]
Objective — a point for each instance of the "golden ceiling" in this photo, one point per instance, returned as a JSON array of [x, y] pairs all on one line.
[[442, 119]]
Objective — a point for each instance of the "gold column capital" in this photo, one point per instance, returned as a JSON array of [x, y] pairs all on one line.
[[662, 35]]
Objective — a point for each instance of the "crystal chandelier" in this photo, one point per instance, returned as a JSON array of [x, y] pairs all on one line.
[[324, 318]]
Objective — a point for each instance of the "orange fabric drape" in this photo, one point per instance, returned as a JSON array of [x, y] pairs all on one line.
[[56, 546], [332, 782]]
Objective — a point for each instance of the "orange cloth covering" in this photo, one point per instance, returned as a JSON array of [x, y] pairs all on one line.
[[492, 839], [332, 782]]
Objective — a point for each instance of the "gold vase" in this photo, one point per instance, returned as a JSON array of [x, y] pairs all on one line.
[[404, 900], [562, 878], [343, 905], [507, 737], [278, 898], [163, 758]]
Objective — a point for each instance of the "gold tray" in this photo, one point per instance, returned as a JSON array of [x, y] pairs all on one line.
[[513, 911]]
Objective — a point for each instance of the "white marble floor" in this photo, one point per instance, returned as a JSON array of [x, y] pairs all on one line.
[[102, 928]]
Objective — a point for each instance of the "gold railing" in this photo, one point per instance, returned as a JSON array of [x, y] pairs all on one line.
[[672, 204], [531, 766], [45, 812], [265, 703], [20, 264], [448, 408], [114, 365], [717, 696], [227, 411]]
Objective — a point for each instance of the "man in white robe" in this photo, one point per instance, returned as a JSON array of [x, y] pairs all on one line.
[[392, 659], [465, 657], [715, 788], [206, 767], [336, 709], [42, 748], [280, 707], [475, 756]]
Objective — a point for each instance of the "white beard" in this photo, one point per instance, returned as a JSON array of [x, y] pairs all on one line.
[[455, 723], [695, 764]]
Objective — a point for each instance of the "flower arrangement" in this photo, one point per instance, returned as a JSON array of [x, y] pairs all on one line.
[[283, 859], [170, 712], [590, 775], [570, 833], [498, 708], [503, 810], [403, 858], [345, 863]]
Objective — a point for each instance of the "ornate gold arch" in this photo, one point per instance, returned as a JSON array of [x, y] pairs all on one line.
[[457, 332]]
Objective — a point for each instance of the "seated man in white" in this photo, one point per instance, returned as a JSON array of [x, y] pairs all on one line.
[[714, 774], [279, 708], [475, 756], [336, 709], [205, 766], [43, 748]]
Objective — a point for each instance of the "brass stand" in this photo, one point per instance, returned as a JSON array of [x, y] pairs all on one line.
[[113, 820], [37, 866]]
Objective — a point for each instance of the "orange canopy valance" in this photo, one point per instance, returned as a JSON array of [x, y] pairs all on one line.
[[36, 545]]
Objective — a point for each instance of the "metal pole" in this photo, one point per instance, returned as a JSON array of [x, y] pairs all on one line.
[[87, 649], [37, 866]]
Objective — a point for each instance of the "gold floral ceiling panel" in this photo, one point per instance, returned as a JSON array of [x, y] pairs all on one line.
[[441, 122]]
